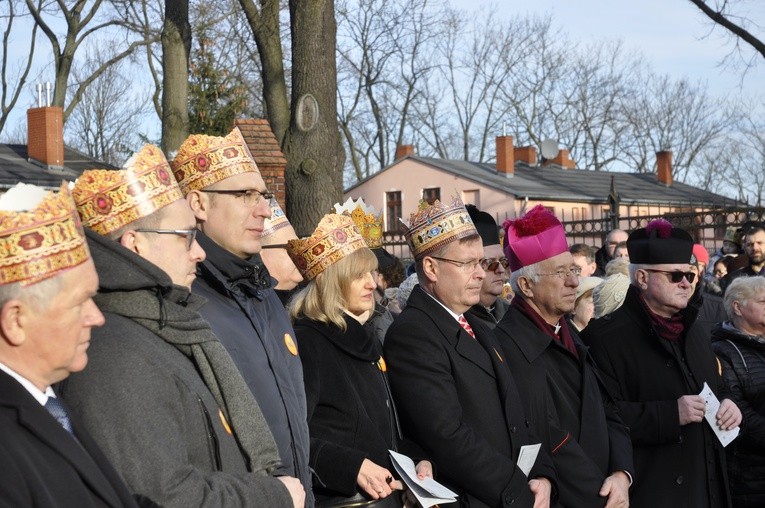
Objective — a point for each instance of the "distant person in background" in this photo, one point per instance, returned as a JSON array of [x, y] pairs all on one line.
[[731, 246], [621, 251], [719, 271], [276, 231], [606, 252], [584, 307], [754, 248], [618, 265], [584, 257], [740, 346]]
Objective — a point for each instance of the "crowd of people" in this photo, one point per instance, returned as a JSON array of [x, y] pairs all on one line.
[[167, 340]]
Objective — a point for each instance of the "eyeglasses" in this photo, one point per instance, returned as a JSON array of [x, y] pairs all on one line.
[[675, 277], [564, 274], [190, 234], [465, 266], [491, 265], [251, 197]]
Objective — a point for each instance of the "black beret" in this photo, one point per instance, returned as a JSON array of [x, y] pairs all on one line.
[[660, 243], [384, 258], [485, 224]]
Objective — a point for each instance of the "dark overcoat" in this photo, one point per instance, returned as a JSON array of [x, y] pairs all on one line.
[[675, 466], [43, 466], [350, 414], [247, 316], [458, 401], [562, 394]]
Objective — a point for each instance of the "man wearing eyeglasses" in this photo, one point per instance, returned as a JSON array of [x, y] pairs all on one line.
[[229, 198], [655, 361], [164, 398], [490, 307], [454, 394], [556, 376]]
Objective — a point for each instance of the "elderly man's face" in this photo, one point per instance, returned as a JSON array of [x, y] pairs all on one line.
[[58, 335], [555, 294], [664, 297], [587, 268], [494, 280]]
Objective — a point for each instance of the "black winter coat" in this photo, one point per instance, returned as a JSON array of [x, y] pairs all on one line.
[[743, 362], [250, 321], [568, 408], [675, 467], [458, 401], [350, 413]]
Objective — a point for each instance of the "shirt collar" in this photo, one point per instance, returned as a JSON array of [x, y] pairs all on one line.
[[40, 396]]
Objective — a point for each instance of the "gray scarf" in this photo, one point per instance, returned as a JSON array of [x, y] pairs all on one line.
[[179, 324]]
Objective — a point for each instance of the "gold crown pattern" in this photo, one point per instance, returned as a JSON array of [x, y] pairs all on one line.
[[42, 242], [204, 160], [335, 237], [108, 200], [433, 226], [277, 221], [366, 219]]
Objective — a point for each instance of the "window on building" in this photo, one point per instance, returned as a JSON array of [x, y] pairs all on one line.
[[393, 212], [431, 195], [472, 197]]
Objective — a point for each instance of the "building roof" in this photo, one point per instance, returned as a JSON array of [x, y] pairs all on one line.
[[558, 184], [15, 167], [260, 139]]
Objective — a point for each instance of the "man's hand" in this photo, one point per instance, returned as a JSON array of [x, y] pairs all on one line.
[[691, 409], [376, 481], [729, 415], [296, 490], [616, 488], [424, 469], [542, 490]]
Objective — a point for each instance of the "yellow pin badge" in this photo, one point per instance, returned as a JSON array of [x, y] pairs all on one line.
[[291, 346], [224, 422], [381, 364]]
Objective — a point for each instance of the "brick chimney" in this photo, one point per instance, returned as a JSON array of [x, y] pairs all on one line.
[[45, 135], [527, 154], [404, 150], [563, 160], [664, 167], [505, 156], [268, 156]]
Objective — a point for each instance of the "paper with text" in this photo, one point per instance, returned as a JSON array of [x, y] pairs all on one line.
[[710, 399]]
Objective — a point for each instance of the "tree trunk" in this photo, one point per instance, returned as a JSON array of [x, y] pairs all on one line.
[[176, 46], [313, 145]]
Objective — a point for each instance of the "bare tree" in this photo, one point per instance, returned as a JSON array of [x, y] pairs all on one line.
[[83, 23], [107, 121], [13, 74], [724, 13]]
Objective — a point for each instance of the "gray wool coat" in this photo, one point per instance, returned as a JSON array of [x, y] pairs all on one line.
[[146, 405]]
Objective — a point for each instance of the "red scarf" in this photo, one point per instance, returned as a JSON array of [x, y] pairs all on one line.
[[670, 328], [563, 336]]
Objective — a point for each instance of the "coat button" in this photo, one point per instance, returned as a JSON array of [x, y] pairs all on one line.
[[680, 440], [512, 428], [509, 499], [679, 480], [670, 363]]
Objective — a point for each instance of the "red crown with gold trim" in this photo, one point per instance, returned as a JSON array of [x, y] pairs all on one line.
[[366, 219], [42, 242], [335, 237], [433, 226], [108, 200], [204, 160]]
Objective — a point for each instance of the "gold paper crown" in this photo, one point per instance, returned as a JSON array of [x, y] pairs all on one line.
[[366, 219], [204, 160], [335, 237], [108, 200], [433, 226], [43, 242], [277, 220]]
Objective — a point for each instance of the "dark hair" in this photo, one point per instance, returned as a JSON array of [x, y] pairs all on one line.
[[393, 273], [582, 249]]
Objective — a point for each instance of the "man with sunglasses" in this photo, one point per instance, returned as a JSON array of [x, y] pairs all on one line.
[[655, 360], [231, 203], [556, 376], [164, 398], [490, 307]]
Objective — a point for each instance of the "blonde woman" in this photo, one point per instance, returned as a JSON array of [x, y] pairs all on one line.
[[351, 416]]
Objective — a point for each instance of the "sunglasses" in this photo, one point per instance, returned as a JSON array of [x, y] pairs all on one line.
[[675, 277], [491, 265]]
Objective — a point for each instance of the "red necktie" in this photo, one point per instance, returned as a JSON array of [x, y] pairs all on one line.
[[466, 326]]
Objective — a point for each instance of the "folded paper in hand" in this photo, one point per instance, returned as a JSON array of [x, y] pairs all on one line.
[[427, 491]]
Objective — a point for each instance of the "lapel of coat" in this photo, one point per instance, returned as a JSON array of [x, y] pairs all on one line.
[[465, 345], [36, 419]]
